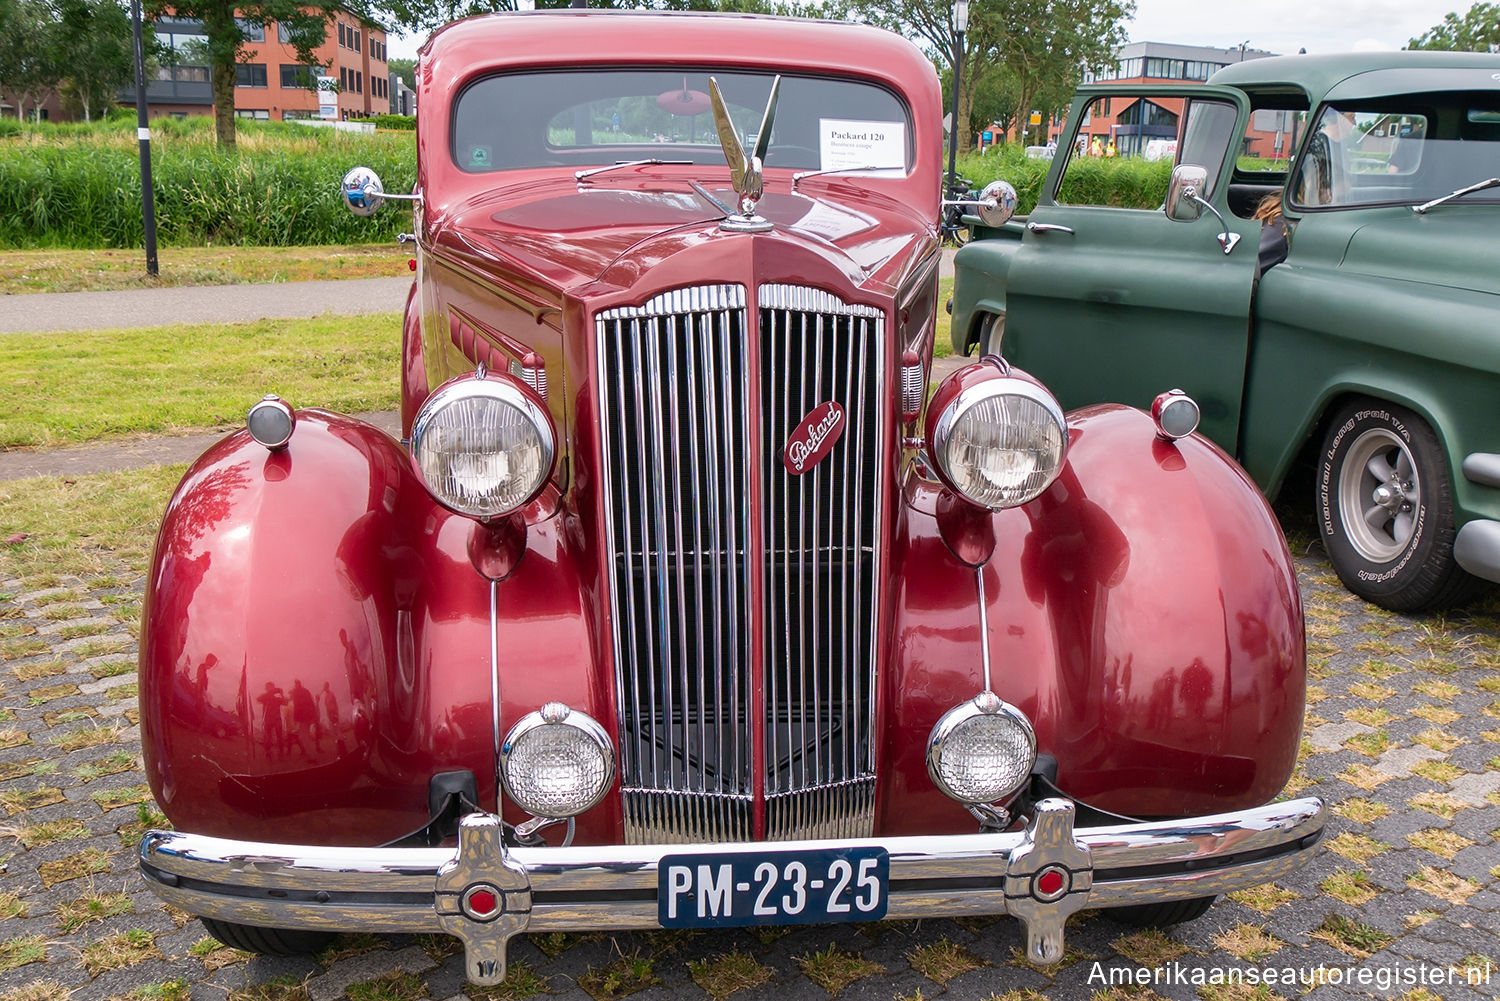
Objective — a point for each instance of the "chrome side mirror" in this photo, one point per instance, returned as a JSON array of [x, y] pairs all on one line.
[[1184, 191], [994, 206], [363, 193], [997, 203], [1185, 201]]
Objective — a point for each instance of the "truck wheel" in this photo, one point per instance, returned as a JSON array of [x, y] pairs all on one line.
[[268, 941], [991, 331], [1162, 915], [1385, 508]]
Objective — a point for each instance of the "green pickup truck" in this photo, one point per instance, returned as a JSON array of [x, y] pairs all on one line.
[[1350, 347]]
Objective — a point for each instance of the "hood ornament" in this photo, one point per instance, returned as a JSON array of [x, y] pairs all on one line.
[[744, 171]]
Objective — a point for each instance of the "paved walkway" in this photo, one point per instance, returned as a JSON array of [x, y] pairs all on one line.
[[151, 307]]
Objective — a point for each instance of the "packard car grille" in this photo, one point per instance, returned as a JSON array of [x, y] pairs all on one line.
[[690, 433]]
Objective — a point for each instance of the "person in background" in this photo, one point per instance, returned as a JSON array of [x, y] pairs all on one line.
[[1274, 239]]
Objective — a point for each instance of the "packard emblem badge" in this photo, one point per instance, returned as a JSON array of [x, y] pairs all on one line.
[[814, 438]]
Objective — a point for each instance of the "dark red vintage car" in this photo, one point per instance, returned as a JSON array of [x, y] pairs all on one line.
[[679, 603]]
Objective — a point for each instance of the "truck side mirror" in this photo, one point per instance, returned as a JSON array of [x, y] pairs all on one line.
[[1184, 191]]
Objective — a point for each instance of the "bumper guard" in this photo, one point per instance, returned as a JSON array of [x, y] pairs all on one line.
[[484, 892]]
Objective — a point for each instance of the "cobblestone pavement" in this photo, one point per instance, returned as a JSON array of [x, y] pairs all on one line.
[[1402, 739]]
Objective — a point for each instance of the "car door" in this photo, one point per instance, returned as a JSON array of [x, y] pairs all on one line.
[[1117, 302]]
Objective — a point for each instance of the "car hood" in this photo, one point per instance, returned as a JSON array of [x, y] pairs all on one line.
[[1443, 247], [566, 236]]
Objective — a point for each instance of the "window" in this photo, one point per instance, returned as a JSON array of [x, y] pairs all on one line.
[[598, 117], [342, 37], [295, 75], [250, 74], [1081, 182], [255, 113], [252, 31], [1399, 149], [359, 83], [344, 77], [356, 39]]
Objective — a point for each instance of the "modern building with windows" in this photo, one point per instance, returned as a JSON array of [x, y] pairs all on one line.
[[1130, 125], [271, 84]]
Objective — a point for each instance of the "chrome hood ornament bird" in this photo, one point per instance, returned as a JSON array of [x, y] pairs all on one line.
[[744, 171]]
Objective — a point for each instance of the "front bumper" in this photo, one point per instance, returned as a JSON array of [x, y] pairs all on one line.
[[614, 887]]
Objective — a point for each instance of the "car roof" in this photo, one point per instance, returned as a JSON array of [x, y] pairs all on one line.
[[1382, 72], [576, 37]]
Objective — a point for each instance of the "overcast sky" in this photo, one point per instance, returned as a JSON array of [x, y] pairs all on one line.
[[1284, 26], [1281, 26]]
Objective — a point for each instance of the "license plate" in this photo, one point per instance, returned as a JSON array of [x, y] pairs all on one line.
[[772, 888]]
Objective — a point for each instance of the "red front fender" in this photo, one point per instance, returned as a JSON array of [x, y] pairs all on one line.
[[316, 641], [1144, 614]]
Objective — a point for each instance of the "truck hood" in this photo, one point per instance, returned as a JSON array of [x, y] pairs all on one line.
[[1433, 249], [565, 236]]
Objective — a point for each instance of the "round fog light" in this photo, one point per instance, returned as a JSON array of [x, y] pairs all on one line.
[[981, 751], [556, 762]]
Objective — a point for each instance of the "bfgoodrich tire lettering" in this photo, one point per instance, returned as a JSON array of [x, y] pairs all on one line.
[[1384, 503]]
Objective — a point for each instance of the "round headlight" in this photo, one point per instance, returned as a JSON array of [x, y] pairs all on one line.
[[556, 762], [981, 751], [483, 445], [1001, 442]]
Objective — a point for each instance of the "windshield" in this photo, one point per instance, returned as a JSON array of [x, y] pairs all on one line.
[[1400, 150], [592, 118]]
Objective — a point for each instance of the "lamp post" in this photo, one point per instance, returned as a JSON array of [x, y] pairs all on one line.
[[960, 25], [143, 136]]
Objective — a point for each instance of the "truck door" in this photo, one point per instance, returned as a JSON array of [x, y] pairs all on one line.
[[1108, 300]]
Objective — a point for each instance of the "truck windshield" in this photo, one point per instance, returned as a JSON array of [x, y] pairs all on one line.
[[597, 117], [1399, 150]]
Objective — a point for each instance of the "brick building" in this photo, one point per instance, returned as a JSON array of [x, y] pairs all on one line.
[[272, 84], [1130, 124]]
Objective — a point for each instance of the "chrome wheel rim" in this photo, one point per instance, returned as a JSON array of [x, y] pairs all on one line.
[[1379, 495]]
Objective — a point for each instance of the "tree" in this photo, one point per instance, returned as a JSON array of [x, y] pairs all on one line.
[[305, 23], [406, 69], [1476, 31], [1038, 44], [29, 66], [424, 15], [97, 50], [1047, 43]]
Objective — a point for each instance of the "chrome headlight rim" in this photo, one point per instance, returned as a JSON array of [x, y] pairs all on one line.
[[506, 391], [557, 714], [984, 704], [941, 436]]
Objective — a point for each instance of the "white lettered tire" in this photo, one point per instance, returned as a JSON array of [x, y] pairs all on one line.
[[1384, 505]]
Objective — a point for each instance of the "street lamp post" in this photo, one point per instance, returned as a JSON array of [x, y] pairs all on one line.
[[960, 25], [143, 136]]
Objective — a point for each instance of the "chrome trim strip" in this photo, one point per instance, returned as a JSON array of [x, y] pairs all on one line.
[[393, 889]]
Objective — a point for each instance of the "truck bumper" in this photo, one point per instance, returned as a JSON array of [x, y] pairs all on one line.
[[483, 892]]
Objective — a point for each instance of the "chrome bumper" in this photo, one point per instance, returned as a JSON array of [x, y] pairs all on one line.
[[609, 887]]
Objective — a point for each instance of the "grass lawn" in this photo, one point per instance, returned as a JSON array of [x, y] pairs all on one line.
[[112, 383], [61, 270]]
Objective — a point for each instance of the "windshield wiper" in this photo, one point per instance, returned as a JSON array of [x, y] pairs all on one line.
[[585, 174], [797, 178], [1493, 182]]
